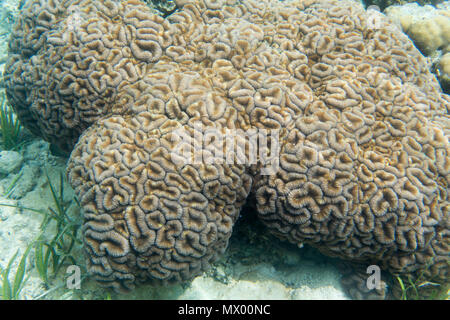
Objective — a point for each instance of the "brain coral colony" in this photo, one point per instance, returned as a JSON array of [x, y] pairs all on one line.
[[362, 128]]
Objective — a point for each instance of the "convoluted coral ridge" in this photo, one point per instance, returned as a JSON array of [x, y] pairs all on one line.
[[146, 216], [362, 124]]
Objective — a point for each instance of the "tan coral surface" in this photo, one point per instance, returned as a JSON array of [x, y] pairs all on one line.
[[362, 130]]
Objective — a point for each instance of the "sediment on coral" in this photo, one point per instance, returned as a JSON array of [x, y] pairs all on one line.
[[362, 129]]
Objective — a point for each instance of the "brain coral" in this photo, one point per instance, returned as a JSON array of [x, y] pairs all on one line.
[[362, 130]]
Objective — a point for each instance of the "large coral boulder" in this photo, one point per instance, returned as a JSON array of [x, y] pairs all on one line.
[[357, 130]]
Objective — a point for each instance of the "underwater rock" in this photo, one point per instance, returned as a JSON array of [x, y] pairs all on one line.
[[10, 161], [24, 181], [386, 3]]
